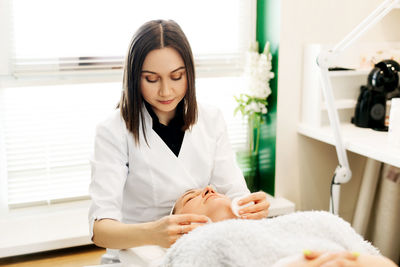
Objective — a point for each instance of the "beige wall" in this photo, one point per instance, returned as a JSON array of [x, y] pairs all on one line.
[[304, 167]]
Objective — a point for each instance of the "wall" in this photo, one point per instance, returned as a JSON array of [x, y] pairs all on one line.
[[304, 167]]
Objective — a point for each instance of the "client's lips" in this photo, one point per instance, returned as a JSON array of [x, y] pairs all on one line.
[[211, 195]]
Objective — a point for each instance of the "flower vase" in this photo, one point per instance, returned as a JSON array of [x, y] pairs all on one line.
[[248, 159]]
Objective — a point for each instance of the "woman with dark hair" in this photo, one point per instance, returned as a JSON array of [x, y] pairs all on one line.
[[158, 144]]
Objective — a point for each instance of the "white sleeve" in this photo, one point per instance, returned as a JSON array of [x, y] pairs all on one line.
[[226, 175], [109, 171]]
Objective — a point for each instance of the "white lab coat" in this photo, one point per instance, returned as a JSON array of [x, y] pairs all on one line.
[[135, 184]]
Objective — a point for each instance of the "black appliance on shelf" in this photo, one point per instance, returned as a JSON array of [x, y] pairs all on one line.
[[383, 82]]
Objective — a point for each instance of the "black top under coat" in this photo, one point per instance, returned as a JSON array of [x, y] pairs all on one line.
[[172, 134]]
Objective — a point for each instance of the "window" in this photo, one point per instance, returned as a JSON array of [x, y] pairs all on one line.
[[48, 132], [62, 75]]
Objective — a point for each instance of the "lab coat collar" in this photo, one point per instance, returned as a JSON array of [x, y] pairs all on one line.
[[176, 121]]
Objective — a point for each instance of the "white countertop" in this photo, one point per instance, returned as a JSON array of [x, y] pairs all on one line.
[[364, 141]]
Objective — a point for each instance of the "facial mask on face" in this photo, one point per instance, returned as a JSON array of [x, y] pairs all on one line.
[[235, 206]]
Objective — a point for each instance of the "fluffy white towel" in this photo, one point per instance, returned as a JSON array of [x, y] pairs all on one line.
[[264, 242]]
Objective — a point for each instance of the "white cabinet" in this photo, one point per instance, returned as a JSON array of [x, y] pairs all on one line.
[[346, 85]]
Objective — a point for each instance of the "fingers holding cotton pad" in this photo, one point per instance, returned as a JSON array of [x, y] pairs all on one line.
[[235, 206]]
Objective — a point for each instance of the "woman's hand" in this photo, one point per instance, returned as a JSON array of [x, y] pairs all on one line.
[[344, 259], [257, 211], [320, 259], [170, 228]]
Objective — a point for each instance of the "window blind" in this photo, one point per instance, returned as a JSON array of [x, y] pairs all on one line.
[[48, 133], [219, 92], [61, 36]]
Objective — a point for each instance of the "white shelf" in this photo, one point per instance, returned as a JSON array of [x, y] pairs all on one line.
[[363, 141], [342, 104], [349, 73]]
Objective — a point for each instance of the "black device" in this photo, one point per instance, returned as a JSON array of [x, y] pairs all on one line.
[[371, 103]]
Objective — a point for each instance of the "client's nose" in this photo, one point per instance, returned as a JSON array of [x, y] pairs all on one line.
[[207, 190]]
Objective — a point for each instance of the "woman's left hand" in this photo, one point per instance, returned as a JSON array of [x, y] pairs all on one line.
[[257, 211]]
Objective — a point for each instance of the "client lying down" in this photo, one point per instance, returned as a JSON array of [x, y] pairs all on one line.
[[279, 241]]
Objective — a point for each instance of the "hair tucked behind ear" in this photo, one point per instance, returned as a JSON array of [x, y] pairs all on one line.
[[155, 34]]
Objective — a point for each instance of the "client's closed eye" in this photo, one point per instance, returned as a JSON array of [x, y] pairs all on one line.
[[191, 196]]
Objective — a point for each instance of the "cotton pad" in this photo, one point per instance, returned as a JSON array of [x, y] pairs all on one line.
[[235, 207]]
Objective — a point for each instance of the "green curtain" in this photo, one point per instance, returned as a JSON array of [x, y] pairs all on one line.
[[268, 19]]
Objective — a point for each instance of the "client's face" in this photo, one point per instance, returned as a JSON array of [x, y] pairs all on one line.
[[206, 202]]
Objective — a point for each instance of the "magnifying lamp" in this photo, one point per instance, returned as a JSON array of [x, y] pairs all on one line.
[[342, 172]]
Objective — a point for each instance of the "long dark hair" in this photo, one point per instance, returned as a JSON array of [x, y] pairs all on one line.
[[153, 35]]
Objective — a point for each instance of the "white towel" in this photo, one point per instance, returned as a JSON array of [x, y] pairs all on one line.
[[264, 242]]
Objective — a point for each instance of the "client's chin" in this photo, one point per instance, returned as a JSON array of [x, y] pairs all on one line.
[[220, 209]]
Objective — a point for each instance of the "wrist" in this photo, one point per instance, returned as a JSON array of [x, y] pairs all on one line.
[[148, 233]]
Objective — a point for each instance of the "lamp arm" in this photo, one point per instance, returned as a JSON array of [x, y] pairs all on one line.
[[373, 18], [342, 172]]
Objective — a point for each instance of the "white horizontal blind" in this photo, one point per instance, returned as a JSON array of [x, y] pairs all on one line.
[[70, 35], [219, 92], [48, 132]]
